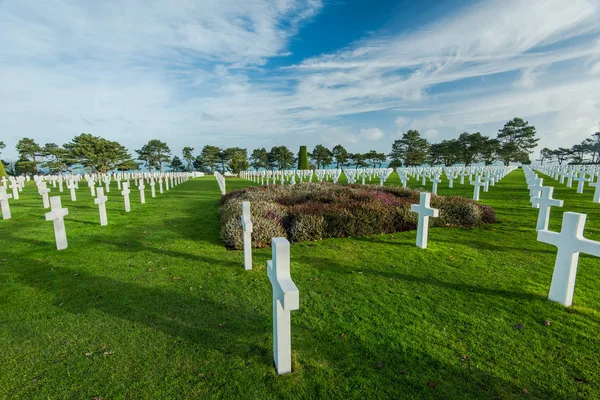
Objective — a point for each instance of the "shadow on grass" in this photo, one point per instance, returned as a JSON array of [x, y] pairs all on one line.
[[234, 330], [334, 266]]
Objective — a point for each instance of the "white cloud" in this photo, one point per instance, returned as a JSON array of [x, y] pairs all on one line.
[[195, 73], [371, 134]]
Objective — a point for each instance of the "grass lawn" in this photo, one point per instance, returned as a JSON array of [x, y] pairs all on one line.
[[153, 306]]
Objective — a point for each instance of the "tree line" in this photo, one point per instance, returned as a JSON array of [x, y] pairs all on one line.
[[586, 152], [514, 142]]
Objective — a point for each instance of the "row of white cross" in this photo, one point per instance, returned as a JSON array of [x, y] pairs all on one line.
[[57, 212], [583, 175], [484, 177], [221, 182], [569, 241]]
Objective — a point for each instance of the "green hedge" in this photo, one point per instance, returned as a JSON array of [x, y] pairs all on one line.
[[314, 211], [2, 170]]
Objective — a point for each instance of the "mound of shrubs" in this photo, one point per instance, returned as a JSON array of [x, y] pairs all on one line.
[[314, 211]]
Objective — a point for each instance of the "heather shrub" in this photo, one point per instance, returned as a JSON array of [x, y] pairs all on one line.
[[314, 211]]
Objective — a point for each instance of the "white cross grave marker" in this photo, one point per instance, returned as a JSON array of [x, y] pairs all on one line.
[[125, 192], [436, 179], [43, 190], [142, 188], [4, 202], [14, 185], [92, 188], [57, 216], [545, 202], [285, 298], [424, 211], [596, 185], [152, 188], [570, 242], [71, 185], [247, 226], [101, 201], [477, 184], [581, 180]]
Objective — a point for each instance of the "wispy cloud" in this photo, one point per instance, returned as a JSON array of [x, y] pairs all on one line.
[[195, 73]]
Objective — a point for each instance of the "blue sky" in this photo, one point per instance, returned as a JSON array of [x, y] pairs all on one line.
[[258, 73]]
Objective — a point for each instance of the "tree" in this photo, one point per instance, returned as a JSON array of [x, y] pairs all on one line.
[[375, 159], [99, 154], [2, 146], [129, 165], [239, 160], [281, 157], [322, 156], [489, 150], [259, 159], [589, 148], [578, 152], [223, 158], [517, 139], [227, 156], [2, 170], [209, 157], [395, 164], [545, 154], [562, 154], [596, 147], [411, 149], [188, 157], [357, 160], [446, 152], [154, 153], [58, 159], [29, 151], [341, 156], [176, 164], [470, 146], [303, 158]]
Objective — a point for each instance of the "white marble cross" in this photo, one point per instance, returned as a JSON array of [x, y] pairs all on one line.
[[4, 197], [285, 298], [92, 188], [166, 183], [247, 227], [581, 180], [570, 176], [71, 185], [152, 188], [545, 202], [125, 192], [14, 186], [107, 184], [570, 242], [424, 211], [101, 200], [142, 189], [60, 184], [477, 184], [160, 185], [596, 185], [436, 179], [44, 190], [57, 216]]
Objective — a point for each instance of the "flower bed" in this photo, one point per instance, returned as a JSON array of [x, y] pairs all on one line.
[[314, 211]]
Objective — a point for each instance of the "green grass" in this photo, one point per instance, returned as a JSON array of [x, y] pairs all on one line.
[[153, 306]]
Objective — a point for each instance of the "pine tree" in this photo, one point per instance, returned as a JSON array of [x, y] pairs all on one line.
[[303, 158]]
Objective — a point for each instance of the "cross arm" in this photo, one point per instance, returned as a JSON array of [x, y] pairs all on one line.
[[549, 237], [588, 246]]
